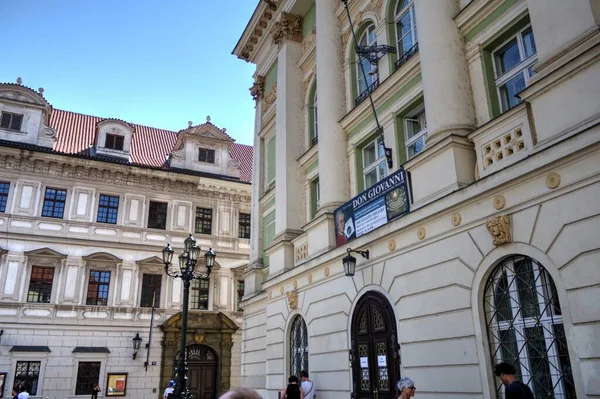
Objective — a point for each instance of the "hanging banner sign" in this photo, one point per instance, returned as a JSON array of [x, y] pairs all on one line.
[[378, 205]]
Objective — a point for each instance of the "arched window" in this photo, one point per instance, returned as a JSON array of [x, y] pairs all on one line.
[[406, 30], [298, 346], [525, 327], [368, 38]]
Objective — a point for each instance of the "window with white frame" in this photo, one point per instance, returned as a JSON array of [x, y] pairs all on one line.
[[525, 327], [315, 197], [40, 284], [368, 38], [315, 124], [415, 132], [11, 121], [374, 162], [298, 346], [406, 26], [513, 62]]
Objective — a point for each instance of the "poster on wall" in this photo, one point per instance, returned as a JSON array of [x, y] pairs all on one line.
[[2, 380], [117, 384], [374, 207]]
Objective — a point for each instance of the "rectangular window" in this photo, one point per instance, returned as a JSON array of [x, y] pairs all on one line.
[[415, 133], [513, 63], [54, 203], [88, 375], [374, 163], [268, 234], [203, 220], [97, 293], [114, 142], [157, 215], [4, 188], [200, 291], [40, 284], [315, 197], [240, 294], [206, 155], [11, 121], [271, 157], [151, 284], [108, 208], [244, 225], [27, 375]]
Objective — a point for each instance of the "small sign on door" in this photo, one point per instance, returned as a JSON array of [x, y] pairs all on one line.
[[364, 362], [382, 361]]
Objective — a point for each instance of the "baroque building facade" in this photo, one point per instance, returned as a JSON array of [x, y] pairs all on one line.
[[86, 206], [482, 235]]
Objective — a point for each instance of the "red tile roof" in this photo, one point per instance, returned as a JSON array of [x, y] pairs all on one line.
[[149, 146]]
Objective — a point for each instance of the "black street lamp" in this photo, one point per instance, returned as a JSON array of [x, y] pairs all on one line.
[[349, 261], [137, 340], [186, 272]]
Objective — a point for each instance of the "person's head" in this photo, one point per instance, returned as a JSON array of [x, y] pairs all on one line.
[[241, 393], [506, 372], [293, 379], [304, 375], [340, 222], [171, 383], [14, 391], [406, 387], [22, 389]]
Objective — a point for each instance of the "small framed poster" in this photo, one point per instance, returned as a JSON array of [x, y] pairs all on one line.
[[116, 384], [2, 382]]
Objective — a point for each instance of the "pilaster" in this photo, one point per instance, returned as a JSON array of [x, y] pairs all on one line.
[[446, 87], [333, 158], [257, 191]]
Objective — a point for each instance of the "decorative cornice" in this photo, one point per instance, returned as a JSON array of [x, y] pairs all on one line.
[[126, 177], [258, 88], [289, 27]]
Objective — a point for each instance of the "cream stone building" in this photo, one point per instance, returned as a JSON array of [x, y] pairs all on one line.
[[86, 206], [483, 237]]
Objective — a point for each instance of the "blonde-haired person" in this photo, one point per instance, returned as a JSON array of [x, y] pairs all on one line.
[[241, 393], [406, 387]]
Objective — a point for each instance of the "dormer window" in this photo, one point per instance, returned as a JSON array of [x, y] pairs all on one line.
[[114, 142], [11, 121], [206, 155]]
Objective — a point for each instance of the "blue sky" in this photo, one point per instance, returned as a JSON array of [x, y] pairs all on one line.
[[155, 63]]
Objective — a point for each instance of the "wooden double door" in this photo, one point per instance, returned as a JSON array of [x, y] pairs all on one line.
[[202, 372], [375, 350]]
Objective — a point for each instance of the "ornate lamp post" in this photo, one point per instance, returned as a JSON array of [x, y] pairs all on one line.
[[186, 272]]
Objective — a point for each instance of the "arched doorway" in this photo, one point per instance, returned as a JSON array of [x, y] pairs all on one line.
[[202, 371], [525, 327], [375, 360]]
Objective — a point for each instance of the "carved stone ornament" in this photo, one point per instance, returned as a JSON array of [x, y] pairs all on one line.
[[392, 245], [499, 202], [553, 180], [292, 298], [421, 233], [199, 338], [456, 219], [272, 96], [289, 27], [500, 228], [258, 88]]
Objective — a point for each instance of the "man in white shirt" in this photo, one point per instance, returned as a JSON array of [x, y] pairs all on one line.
[[23, 394], [170, 389], [308, 387]]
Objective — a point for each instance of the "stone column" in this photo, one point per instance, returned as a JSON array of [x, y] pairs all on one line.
[[257, 186], [287, 34], [333, 156], [289, 126], [446, 86], [566, 38], [559, 25]]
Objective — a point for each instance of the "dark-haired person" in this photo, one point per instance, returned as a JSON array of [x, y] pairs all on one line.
[[308, 387], [513, 388], [292, 391]]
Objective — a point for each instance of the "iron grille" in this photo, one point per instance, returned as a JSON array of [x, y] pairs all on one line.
[[88, 375], [298, 346], [403, 59], [362, 96], [26, 375], [525, 328]]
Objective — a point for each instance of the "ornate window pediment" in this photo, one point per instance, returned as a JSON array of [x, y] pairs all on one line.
[[113, 138], [204, 148], [45, 253], [102, 257]]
